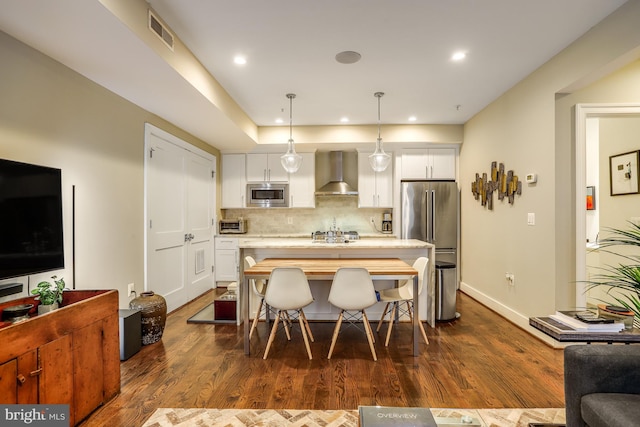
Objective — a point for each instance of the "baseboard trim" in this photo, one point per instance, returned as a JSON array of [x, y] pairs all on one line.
[[508, 313]]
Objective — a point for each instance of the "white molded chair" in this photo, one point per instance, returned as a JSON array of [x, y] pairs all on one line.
[[259, 287], [352, 291], [288, 290], [403, 293]]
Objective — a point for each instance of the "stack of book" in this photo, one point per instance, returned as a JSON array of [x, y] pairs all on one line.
[[587, 321]]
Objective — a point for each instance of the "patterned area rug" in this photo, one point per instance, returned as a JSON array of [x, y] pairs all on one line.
[[174, 417]]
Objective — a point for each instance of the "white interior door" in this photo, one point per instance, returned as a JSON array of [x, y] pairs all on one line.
[[180, 198], [199, 225]]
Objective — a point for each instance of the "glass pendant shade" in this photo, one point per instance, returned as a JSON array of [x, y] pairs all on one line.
[[379, 160], [291, 161]]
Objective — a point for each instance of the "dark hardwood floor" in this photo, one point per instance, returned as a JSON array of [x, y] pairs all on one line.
[[478, 361]]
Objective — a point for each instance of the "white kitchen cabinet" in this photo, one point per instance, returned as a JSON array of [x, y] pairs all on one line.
[[265, 167], [375, 189], [227, 260], [302, 184], [234, 181], [428, 163]]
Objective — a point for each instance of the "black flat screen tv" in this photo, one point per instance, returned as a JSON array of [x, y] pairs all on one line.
[[30, 219]]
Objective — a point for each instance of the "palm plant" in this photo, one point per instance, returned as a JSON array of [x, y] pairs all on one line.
[[623, 279]]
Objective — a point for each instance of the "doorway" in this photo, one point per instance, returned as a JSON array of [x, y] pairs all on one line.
[[179, 218], [589, 223]]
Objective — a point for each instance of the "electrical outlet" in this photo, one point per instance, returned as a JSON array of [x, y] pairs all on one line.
[[289, 220], [511, 278], [131, 288]]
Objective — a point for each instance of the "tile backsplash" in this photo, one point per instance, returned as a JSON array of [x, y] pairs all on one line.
[[307, 220]]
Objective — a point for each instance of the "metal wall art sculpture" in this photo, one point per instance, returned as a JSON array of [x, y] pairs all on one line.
[[507, 185]]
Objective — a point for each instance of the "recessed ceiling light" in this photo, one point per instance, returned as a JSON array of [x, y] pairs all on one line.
[[412, 118], [279, 121], [344, 120], [458, 56], [348, 57], [239, 60]]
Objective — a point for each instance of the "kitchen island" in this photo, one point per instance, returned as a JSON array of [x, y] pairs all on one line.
[[407, 250]]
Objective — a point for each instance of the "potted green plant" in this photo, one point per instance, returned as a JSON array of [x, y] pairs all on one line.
[[49, 294], [623, 279]]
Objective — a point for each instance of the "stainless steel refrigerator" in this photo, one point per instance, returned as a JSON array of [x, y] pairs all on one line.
[[429, 212]]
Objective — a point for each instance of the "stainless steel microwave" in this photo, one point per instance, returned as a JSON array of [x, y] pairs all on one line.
[[268, 195]]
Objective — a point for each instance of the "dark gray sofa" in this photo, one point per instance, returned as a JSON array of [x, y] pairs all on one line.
[[602, 385]]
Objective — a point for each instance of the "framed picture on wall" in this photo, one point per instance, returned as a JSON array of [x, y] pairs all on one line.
[[623, 173], [591, 198]]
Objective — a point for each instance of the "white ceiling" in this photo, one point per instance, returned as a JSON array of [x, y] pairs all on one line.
[[290, 46]]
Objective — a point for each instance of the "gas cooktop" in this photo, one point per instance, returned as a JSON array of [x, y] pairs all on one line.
[[337, 236]]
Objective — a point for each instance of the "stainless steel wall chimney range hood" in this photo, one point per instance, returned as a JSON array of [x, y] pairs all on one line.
[[337, 186]]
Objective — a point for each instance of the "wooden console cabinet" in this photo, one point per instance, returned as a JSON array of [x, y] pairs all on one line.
[[68, 356]]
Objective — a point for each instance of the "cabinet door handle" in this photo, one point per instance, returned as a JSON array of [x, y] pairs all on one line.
[[21, 379], [35, 373]]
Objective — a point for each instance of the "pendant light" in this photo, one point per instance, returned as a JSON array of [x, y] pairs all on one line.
[[379, 160], [291, 160]]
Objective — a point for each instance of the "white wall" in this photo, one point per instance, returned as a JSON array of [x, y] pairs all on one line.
[[529, 128], [52, 116], [617, 135], [593, 176]]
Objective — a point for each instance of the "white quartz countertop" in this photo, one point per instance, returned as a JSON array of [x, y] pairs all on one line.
[[307, 243]]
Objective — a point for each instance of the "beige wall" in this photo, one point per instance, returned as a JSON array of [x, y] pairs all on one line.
[[52, 116], [618, 135], [529, 128]]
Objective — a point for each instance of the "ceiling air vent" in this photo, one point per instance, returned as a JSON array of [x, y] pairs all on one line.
[[160, 30]]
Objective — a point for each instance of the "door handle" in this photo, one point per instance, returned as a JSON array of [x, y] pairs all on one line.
[[188, 237], [433, 216]]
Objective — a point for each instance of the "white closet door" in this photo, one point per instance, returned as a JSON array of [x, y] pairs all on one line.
[[180, 202], [166, 199], [199, 225]]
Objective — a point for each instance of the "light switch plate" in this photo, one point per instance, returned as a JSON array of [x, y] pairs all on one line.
[[531, 218]]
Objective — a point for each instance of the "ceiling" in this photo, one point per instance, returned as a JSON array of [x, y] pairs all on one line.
[[290, 46]]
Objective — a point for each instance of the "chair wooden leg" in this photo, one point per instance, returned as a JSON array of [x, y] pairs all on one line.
[[391, 320], [336, 330], [369, 332], [410, 310], [256, 318], [306, 324], [384, 313], [422, 331], [304, 335], [286, 320], [271, 335]]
